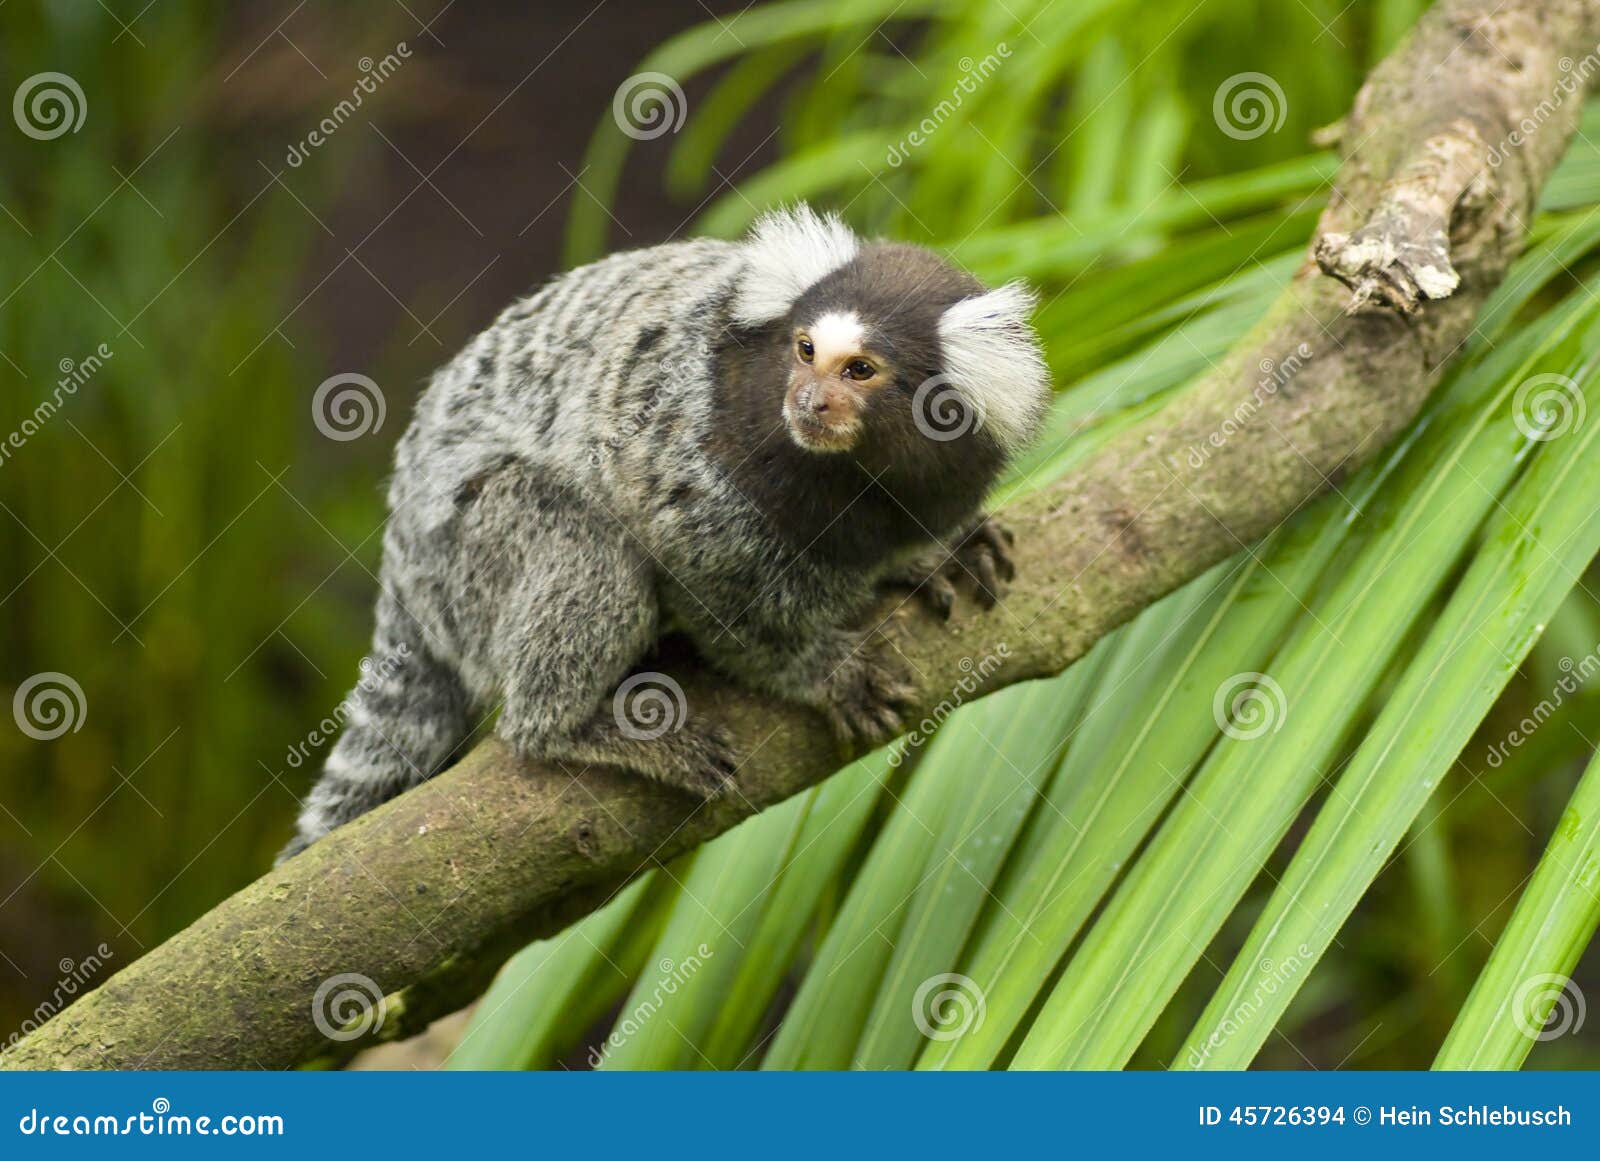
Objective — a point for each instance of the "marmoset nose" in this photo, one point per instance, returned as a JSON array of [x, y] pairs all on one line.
[[819, 404]]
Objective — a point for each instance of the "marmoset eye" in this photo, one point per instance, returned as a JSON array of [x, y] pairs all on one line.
[[807, 351], [859, 369]]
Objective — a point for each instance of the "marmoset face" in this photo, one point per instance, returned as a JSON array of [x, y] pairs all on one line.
[[836, 369], [885, 353]]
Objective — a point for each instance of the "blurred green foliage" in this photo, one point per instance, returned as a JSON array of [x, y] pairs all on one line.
[[174, 530]]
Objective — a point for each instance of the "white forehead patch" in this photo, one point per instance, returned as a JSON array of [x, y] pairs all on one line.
[[835, 335], [786, 252], [992, 354]]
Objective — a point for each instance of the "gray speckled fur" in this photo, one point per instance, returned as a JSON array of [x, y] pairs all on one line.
[[554, 510]]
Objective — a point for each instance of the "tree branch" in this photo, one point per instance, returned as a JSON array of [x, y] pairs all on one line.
[[1446, 148]]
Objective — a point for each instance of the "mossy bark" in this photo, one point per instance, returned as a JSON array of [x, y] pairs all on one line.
[[1446, 149]]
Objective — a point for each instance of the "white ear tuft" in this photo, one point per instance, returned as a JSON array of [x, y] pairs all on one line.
[[786, 252], [992, 354]]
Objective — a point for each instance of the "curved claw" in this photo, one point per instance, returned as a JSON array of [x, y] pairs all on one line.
[[867, 699], [700, 761], [986, 555], [983, 555], [939, 595]]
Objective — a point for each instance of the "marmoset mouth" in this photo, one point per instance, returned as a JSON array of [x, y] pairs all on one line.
[[814, 434]]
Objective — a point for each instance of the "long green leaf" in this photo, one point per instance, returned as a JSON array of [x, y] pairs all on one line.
[[1003, 752], [1537, 547], [1525, 993], [823, 1022], [1124, 768], [548, 994], [716, 912], [833, 827]]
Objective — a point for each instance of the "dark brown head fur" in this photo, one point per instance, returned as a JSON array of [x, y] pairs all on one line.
[[893, 485]]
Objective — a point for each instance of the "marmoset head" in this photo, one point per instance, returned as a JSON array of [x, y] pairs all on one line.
[[886, 351]]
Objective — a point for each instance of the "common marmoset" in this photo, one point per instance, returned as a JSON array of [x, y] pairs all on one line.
[[740, 440]]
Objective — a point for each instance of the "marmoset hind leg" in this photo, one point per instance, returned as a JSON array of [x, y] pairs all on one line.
[[566, 608]]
